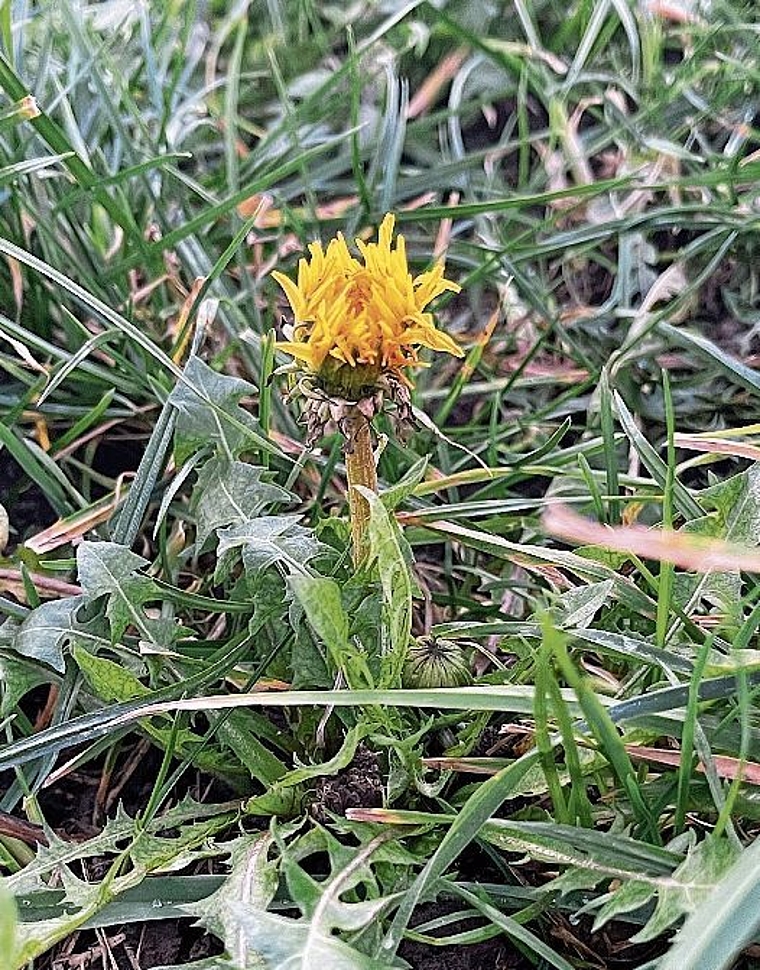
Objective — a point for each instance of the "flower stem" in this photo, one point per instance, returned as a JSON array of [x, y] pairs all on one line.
[[360, 468]]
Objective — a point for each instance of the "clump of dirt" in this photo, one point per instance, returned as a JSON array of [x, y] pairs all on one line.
[[358, 786]]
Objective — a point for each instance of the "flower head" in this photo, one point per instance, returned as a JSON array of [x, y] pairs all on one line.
[[359, 320]]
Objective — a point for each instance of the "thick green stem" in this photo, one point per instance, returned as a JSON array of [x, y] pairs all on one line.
[[360, 468]]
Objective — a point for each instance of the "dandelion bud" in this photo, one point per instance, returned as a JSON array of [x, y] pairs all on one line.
[[433, 662]]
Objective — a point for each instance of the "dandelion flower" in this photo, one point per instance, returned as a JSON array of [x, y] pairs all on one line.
[[357, 321], [359, 324]]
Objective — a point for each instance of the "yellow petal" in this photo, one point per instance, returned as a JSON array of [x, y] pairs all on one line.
[[428, 336], [301, 351], [427, 286], [366, 311], [385, 232], [295, 299]]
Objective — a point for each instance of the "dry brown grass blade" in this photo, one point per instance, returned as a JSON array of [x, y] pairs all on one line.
[[719, 446], [471, 766], [427, 93], [443, 237], [677, 13], [12, 581], [725, 767], [26, 355], [270, 217], [63, 531], [695, 553]]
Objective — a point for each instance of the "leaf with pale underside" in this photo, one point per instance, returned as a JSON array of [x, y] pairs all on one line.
[[390, 551], [209, 413], [251, 884], [109, 569], [724, 923], [309, 943], [8, 925], [271, 539], [692, 883], [287, 944], [43, 634], [230, 493]]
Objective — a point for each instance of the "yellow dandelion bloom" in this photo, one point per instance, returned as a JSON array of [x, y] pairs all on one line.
[[365, 315]]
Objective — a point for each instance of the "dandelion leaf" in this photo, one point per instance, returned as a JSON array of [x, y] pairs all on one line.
[[110, 569], [271, 539], [209, 414], [230, 493], [42, 636]]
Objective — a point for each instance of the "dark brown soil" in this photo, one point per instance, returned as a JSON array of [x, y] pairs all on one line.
[[132, 947], [495, 954], [490, 955], [359, 786], [25, 503]]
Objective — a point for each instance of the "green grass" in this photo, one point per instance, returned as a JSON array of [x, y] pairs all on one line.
[[195, 682]]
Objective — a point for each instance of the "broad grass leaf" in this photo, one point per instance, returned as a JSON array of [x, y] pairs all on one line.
[[230, 493], [586, 569], [389, 550], [477, 810], [637, 648], [738, 372], [605, 853], [675, 895], [44, 633], [82, 901], [191, 695]]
